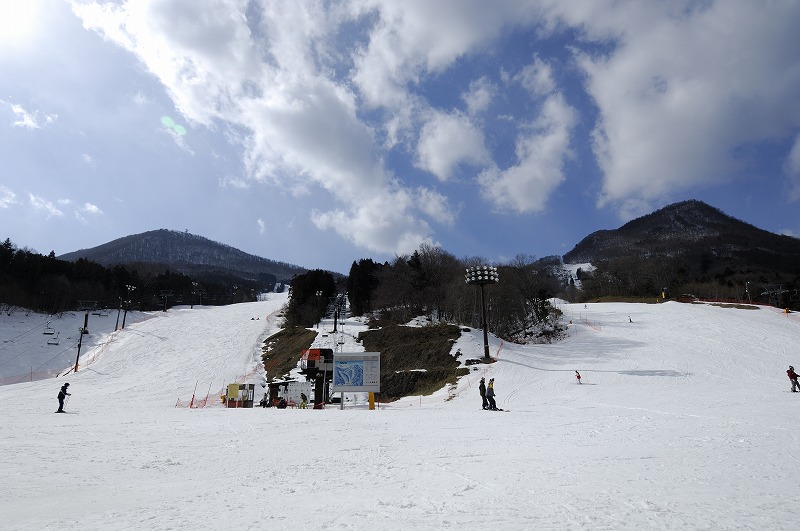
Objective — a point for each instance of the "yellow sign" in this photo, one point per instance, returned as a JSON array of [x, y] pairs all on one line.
[[233, 390]]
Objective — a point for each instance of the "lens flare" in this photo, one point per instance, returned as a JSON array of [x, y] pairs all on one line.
[[170, 124]]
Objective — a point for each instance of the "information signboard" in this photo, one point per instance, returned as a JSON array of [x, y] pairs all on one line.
[[356, 372]]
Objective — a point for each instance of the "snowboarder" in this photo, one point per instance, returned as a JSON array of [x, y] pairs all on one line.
[[793, 377], [578, 376], [303, 401], [482, 389], [61, 395], [490, 395]]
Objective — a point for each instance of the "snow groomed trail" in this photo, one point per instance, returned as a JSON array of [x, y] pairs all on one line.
[[684, 419]]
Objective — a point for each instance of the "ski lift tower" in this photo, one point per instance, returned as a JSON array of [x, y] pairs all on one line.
[[483, 276], [165, 294], [85, 306], [774, 292]]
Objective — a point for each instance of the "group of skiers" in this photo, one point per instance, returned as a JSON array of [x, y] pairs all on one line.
[[487, 394]]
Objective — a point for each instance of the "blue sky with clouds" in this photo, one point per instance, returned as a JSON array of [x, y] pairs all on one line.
[[318, 133]]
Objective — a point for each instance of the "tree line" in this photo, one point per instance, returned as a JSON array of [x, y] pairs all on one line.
[[49, 285], [431, 282], [703, 276]]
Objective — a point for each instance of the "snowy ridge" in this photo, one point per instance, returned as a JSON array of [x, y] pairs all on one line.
[[684, 419]]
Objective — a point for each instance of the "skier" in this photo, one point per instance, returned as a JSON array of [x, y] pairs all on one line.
[[61, 395], [578, 376], [490, 395], [793, 377], [303, 401], [482, 389]]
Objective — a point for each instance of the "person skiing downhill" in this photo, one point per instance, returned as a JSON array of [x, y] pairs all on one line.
[[578, 376], [490, 395], [482, 389], [61, 395], [793, 377]]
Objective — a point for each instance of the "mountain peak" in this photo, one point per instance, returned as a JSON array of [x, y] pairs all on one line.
[[185, 252], [688, 228]]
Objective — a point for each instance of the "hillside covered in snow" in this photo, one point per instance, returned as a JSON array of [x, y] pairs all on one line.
[[684, 419]]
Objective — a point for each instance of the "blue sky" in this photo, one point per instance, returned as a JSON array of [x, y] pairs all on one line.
[[319, 133]]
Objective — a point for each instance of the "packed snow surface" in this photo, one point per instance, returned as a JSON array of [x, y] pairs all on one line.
[[684, 420]]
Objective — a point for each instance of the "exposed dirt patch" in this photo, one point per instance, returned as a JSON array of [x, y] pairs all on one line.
[[282, 351], [414, 360]]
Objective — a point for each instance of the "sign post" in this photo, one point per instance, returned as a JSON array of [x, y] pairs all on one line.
[[356, 372]]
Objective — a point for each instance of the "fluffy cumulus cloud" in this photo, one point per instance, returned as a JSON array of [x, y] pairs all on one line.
[[325, 95], [687, 89], [89, 208], [375, 223], [447, 140], [541, 154], [479, 95]]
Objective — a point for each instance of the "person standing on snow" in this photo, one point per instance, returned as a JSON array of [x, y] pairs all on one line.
[[793, 377], [482, 389], [578, 376], [490, 395], [61, 395]]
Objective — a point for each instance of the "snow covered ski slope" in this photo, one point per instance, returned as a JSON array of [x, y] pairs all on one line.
[[684, 420]]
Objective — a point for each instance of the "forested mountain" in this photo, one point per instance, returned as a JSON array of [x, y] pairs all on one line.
[[682, 229], [685, 246], [187, 253]]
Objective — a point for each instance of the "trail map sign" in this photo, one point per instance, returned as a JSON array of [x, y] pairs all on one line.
[[357, 372]]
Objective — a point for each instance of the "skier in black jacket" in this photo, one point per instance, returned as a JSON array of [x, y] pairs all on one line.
[[61, 395]]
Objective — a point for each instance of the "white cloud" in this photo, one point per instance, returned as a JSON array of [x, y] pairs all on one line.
[[683, 88], [7, 197], [541, 154], [447, 140], [31, 120], [679, 89], [40, 203], [479, 96], [303, 124], [89, 208], [436, 206], [537, 78], [382, 223], [140, 100], [234, 182], [262, 227], [410, 41]]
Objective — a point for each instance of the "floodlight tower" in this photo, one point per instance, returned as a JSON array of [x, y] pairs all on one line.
[[483, 276], [319, 298]]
